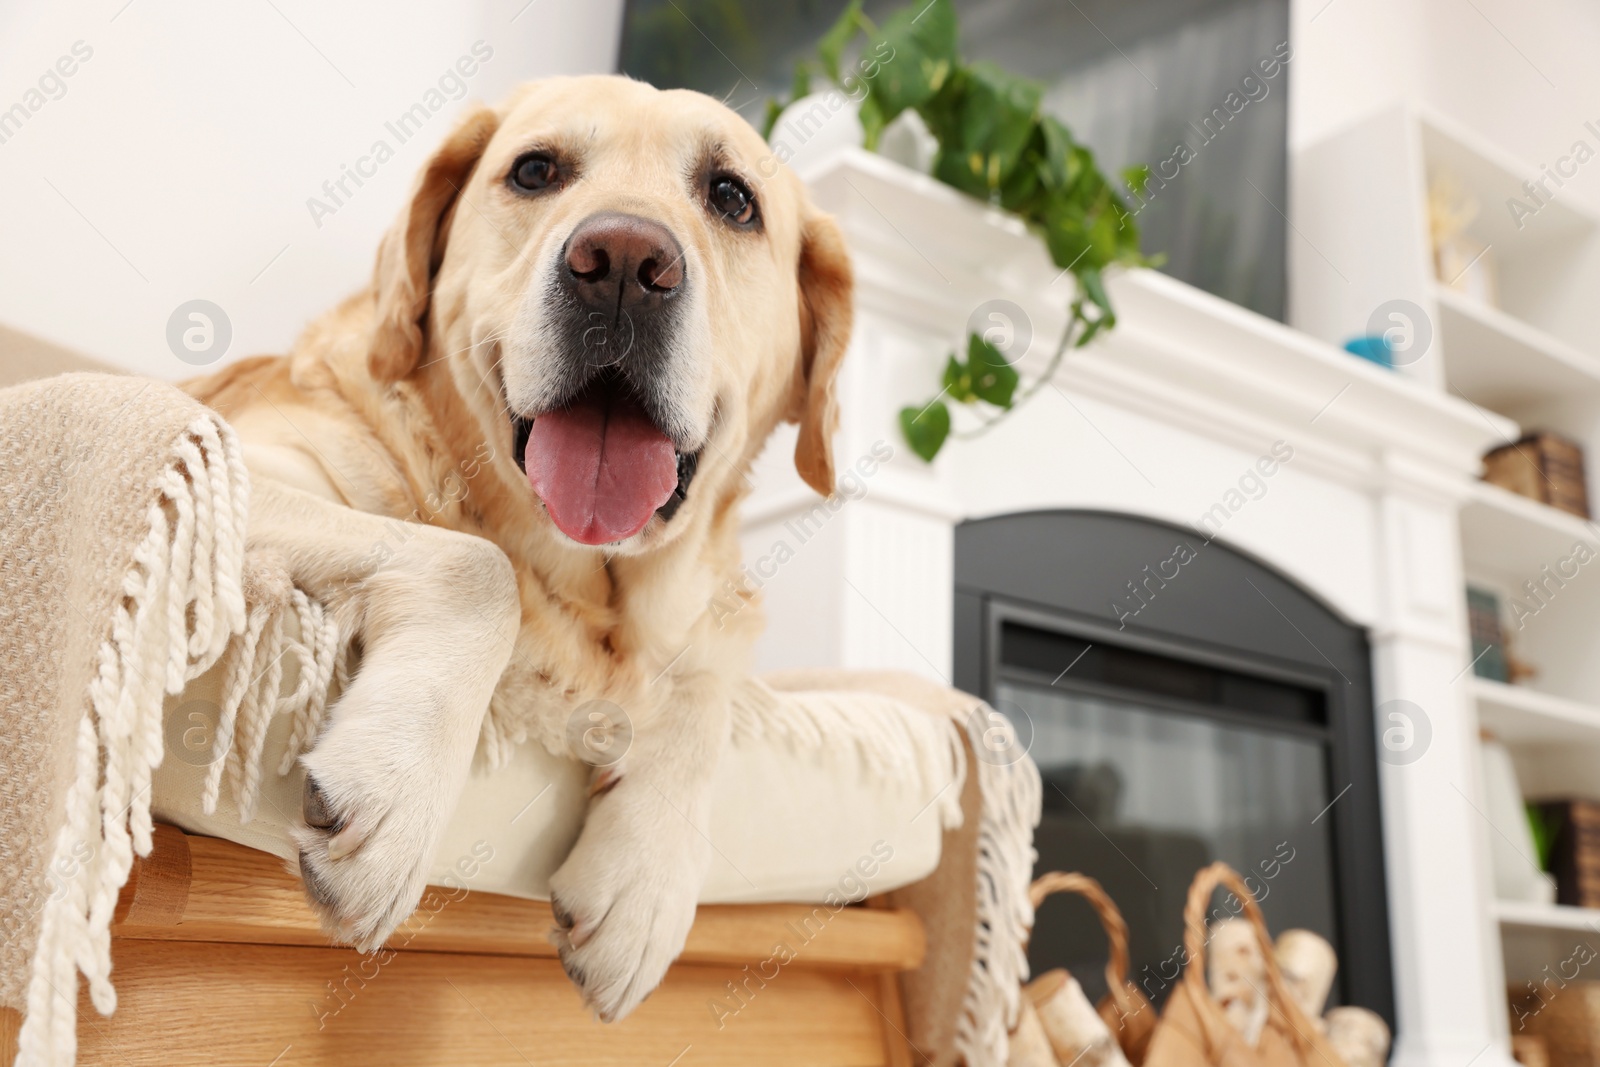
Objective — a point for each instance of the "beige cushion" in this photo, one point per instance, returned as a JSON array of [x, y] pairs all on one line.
[[789, 821]]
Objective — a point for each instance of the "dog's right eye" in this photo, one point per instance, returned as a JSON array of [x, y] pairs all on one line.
[[534, 172]]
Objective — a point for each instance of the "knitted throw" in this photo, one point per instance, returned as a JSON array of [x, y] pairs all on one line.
[[123, 575]]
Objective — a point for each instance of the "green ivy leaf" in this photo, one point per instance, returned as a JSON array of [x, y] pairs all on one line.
[[831, 47], [1028, 186], [801, 85], [1058, 146], [1090, 328], [1105, 231], [1094, 288], [1066, 234], [926, 428], [993, 379], [923, 43], [872, 121], [770, 119], [1136, 177], [958, 381], [1000, 116], [983, 124]]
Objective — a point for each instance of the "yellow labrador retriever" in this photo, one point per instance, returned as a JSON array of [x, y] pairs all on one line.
[[598, 303]]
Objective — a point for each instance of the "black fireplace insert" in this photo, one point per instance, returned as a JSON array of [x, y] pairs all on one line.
[[1185, 703]]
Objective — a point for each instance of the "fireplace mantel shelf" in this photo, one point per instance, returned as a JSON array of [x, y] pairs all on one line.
[[930, 254]]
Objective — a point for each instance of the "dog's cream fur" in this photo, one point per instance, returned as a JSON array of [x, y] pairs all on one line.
[[402, 392]]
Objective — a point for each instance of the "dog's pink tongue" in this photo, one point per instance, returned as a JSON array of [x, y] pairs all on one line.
[[602, 469]]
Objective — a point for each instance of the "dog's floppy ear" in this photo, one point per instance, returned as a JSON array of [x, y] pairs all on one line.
[[413, 247], [827, 307]]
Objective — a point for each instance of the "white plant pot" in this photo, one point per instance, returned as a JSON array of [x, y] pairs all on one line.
[[815, 127], [908, 142]]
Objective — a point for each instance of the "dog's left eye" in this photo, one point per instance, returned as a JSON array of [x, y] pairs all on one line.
[[534, 172], [731, 200]]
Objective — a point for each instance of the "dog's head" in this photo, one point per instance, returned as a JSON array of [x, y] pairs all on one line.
[[646, 289]]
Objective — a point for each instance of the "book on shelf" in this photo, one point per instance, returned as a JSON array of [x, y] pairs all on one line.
[[1573, 828], [1488, 640], [1542, 466]]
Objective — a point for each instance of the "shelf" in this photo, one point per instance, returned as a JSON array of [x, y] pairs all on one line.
[[1509, 535], [1491, 175], [1500, 362], [1533, 936], [1525, 915], [1519, 715]]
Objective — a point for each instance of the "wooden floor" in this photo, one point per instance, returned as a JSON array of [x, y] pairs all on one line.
[[217, 960]]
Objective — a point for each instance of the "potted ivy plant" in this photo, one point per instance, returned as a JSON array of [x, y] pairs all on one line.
[[994, 143]]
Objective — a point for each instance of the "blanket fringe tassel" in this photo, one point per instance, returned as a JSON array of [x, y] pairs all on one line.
[[1012, 797], [911, 746], [186, 605]]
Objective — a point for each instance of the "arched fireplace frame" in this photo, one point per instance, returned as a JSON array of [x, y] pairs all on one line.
[[1131, 583]]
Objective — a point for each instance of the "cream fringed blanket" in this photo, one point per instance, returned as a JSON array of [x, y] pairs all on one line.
[[964, 999], [123, 575]]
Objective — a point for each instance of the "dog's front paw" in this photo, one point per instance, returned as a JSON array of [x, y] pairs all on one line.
[[624, 903], [374, 807]]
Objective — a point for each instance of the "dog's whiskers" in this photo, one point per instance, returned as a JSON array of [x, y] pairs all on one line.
[[494, 338], [483, 379]]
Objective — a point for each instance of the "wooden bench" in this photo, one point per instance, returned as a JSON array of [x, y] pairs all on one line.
[[218, 960]]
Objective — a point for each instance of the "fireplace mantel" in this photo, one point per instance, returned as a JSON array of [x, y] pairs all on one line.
[[1160, 418], [927, 255]]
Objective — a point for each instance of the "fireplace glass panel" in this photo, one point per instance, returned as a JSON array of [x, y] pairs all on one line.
[[1140, 796]]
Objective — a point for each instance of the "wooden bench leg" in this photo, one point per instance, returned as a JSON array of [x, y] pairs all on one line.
[[10, 1023]]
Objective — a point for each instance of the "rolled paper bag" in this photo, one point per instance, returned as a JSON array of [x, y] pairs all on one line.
[[1359, 1036], [1029, 1046], [1308, 964], [1236, 973], [1077, 1033]]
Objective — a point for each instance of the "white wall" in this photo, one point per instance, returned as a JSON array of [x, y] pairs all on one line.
[[176, 161], [1523, 75], [194, 134]]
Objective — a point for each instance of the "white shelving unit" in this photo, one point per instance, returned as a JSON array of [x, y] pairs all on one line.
[[1533, 358]]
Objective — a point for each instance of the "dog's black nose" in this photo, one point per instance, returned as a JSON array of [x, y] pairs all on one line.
[[615, 262]]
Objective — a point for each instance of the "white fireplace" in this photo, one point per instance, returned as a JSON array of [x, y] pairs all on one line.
[[1161, 419]]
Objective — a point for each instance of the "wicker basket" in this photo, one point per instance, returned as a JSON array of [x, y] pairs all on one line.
[[1127, 1013], [1566, 1017], [1193, 1031]]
